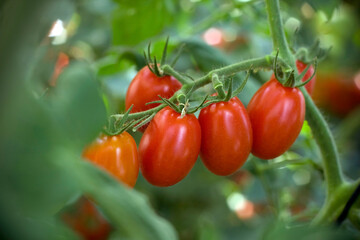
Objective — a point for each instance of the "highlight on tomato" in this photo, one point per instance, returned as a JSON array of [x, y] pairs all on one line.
[[169, 147], [277, 114], [226, 136], [116, 154], [146, 87]]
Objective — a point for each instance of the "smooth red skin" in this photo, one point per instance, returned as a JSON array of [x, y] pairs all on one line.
[[87, 221], [169, 147], [146, 87], [116, 154], [226, 135], [277, 115], [301, 67]]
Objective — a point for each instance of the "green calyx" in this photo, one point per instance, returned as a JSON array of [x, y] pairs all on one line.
[[289, 76]]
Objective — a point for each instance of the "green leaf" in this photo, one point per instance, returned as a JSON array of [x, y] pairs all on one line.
[[135, 20], [77, 104], [127, 209]]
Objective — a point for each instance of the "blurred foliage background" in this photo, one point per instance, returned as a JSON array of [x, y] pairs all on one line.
[[66, 65]]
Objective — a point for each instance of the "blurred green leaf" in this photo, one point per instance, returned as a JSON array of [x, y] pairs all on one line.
[[127, 209], [78, 109], [327, 6], [136, 20]]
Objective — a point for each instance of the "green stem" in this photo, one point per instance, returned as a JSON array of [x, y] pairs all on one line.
[[138, 115], [332, 169], [333, 207], [170, 71], [285, 163], [326, 143], [277, 32], [264, 62]]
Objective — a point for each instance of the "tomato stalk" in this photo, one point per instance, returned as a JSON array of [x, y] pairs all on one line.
[[256, 63], [277, 32], [337, 188], [190, 86], [170, 71], [218, 86]]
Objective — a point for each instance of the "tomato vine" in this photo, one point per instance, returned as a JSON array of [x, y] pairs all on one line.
[[337, 188]]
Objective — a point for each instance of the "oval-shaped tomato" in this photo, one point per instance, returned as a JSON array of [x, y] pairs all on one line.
[[116, 154], [226, 136], [301, 67], [277, 115], [169, 147], [146, 87]]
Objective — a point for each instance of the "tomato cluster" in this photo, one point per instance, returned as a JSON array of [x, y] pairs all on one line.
[[224, 135]]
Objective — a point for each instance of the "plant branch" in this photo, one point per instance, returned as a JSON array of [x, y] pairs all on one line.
[[137, 115], [170, 71], [277, 32], [348, 206], [326, 143], [332, 169], [335, 204], [251, 64]]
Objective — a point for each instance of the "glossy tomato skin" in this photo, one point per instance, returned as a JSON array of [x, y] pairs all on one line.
[[301, 67], [277, 115], [146, 87], [116, 154], [169, 147], [226, 135]]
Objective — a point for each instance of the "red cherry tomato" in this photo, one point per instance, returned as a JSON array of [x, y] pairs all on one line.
[[146, 87], [116, 154], [169, 147], [277, 115], [226, 136], [338, 92], [301, 67], [87, 221]]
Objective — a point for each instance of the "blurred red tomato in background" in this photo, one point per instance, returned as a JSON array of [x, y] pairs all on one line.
[[338, 93]]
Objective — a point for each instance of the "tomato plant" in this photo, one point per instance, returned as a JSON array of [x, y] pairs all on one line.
[[146, 87], [277, 115], [116, 154], [86, 220], [45, 127], [226, 136], [169, 147]]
